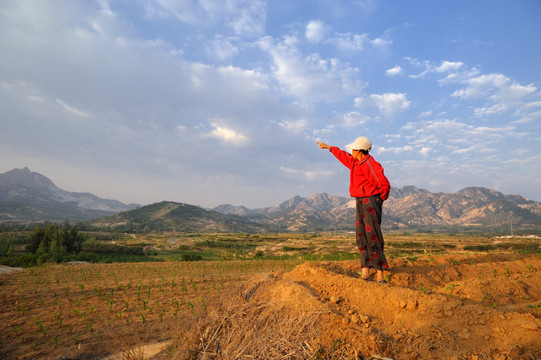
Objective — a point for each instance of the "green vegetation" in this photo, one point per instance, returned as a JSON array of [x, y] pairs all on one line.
[[528, 247], [172, 216], [62, 244], [191, 257], [53, 243]]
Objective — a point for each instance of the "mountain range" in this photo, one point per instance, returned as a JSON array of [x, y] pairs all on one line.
[[407, 207], [27, 196]]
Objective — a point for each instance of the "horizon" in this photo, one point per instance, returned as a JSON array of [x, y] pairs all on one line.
[[255, 208], [217, 103]]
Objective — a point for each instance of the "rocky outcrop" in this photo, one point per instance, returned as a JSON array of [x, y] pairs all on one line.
[[408, 207]]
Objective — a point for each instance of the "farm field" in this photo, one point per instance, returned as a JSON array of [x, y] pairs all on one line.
[[290, 296], [316, 246], [97, 309]]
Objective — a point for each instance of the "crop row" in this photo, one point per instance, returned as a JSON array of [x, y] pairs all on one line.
[[82, 309]]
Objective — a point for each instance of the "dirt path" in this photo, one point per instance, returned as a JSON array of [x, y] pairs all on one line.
[[7, 269], [444, 307]]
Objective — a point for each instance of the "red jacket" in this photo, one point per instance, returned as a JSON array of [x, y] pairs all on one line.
[[366, 177]]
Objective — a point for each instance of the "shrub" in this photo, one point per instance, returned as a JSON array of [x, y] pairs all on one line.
[[191, 257], [25, 260]]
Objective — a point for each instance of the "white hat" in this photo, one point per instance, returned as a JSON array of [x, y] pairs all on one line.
[[361, 143]]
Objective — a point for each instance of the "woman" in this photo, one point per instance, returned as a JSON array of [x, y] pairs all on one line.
[[370, 187]]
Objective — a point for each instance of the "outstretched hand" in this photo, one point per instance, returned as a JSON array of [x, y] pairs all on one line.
[[323, 145]]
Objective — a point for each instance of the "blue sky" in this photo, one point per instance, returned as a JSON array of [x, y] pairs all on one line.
[[210, 102]]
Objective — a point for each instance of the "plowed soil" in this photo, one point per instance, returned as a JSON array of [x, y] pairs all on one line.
[[478, 306], [459, 306]]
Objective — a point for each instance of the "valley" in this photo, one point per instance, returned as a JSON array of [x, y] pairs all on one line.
[[266, 296]]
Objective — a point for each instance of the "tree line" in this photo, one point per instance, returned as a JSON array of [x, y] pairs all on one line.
[[63, 243], [54, 243]]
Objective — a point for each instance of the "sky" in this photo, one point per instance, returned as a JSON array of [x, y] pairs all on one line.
[[211, 102]]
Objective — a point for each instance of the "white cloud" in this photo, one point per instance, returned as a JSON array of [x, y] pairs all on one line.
[[366, 5], [528, 118], [228, 135], [500, 93], [490, 110], [357, 42], [310, 78], [495, 86], [425, 114], [481, 86], [395, 150], [475, 148], [514, 91], [316, 31], [37, 99], [463, 152], [248, 17], [394, 71], [325, 132], [528, 113], [350, 41], [222, 48], [296, 126], [354, 118], [306, 174], [244, 17], [381, 42], [71, 109], [449, 66], [455, 136], [388, 104], [241, 78]]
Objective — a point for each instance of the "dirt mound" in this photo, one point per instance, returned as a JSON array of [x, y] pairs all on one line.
[[444, 307]]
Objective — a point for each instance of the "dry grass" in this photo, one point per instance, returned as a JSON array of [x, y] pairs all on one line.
[[243, 326]]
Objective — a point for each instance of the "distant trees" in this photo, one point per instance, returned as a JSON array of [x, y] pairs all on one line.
[[6, 246], [55, 243], [64, 243]]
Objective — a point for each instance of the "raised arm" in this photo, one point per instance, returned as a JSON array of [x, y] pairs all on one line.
[[341, 155], [323, 145]]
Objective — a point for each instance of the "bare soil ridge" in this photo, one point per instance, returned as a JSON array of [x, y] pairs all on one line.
[[444, 307]]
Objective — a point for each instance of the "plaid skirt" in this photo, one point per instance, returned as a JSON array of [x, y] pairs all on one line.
[[368, 233]]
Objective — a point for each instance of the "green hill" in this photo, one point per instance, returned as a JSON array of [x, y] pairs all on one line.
[[176, 217]]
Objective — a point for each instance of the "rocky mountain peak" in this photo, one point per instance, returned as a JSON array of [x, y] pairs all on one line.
[[411, 207], [231, 209], [325, 201], [406, 191], [25, 178], [30, 195], [480, 193], [286, 205]]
